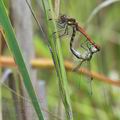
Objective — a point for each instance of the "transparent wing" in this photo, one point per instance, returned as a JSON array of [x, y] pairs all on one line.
[[89, 78]]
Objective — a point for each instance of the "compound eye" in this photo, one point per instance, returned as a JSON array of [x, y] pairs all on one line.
[[94, 49], [63, 16], [69, 22]]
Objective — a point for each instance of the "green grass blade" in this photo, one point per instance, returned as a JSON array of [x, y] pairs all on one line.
[[0, 84], [100, 7], [0, 100], [58, 60], [14, 47]]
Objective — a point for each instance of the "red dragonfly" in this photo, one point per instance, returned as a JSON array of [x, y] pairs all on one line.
[[88, 45], [64, 22]]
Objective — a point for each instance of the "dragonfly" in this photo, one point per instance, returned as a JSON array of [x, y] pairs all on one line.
[[64, 22], [89, 46]]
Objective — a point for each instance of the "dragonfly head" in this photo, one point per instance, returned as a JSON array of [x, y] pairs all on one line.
[[94, 48], [62, 19], [97, 47]]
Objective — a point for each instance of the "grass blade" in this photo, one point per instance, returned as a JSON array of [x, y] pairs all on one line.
[[0, 100], [58, 59], [15, 50], [100, 7]]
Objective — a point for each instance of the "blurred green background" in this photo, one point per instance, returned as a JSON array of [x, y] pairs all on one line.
[[104, 29]]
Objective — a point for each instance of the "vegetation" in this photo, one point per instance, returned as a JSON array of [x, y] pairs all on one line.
[[66, 97]]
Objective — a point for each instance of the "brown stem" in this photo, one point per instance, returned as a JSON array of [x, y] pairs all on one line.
[[47, 63]]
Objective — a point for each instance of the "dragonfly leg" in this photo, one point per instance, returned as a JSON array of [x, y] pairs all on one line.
[[61, 29], [60, 26], [65, 31]]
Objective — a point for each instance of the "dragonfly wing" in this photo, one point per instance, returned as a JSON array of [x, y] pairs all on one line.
[[90, 78]]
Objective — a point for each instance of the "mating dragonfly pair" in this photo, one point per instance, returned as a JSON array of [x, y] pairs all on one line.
[[89, 46]]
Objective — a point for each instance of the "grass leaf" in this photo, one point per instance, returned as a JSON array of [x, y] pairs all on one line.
[[15, 50], [55, 49], [100, 7]]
